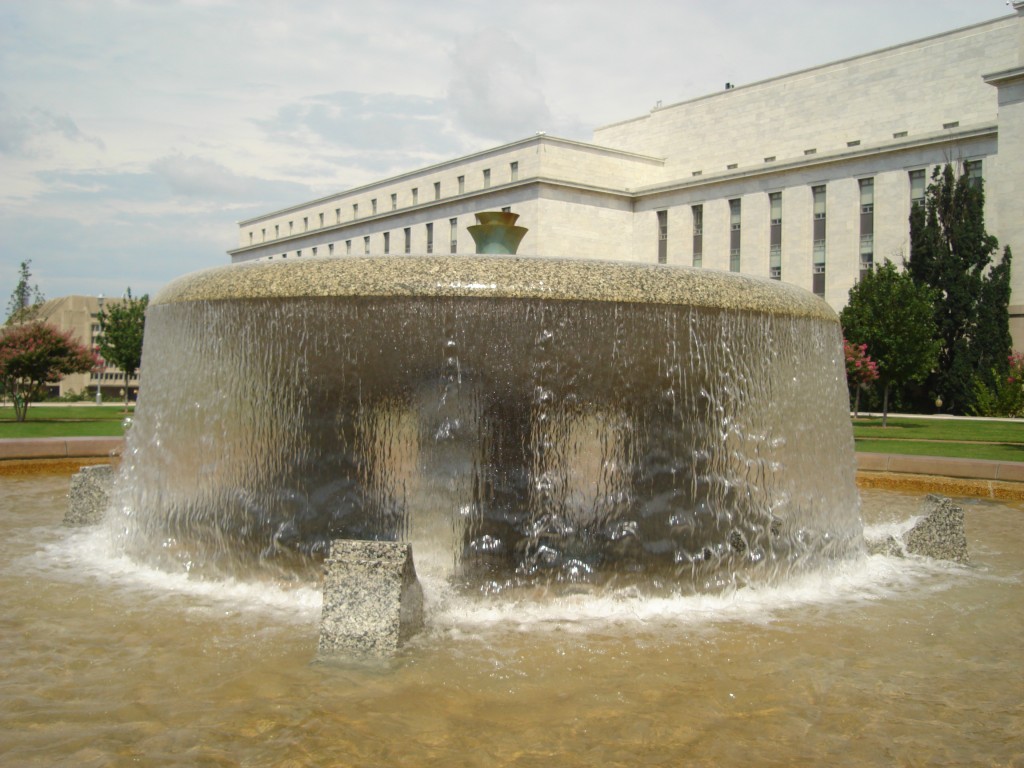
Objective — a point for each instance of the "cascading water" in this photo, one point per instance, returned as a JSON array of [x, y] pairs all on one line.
[[520, 421]]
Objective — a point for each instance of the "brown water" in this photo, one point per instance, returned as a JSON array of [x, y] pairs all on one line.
[[884, 662]]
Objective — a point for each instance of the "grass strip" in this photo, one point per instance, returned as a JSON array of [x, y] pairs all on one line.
[[959, 430], [64, 421], [989, 452]]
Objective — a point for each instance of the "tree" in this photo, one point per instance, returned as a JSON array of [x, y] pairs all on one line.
[[895, 317], [951, 252], [861, 370], [34, 353], [25, 299], [120, 339]]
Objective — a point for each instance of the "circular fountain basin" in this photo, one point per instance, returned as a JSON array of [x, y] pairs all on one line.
[[517, 419]]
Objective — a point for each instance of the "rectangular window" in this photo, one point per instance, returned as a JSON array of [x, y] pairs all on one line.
[[867, 253], [437, 190], [734, 235], [487, 178], [330, 249], [407, 233], [662, 237], [355, 210], [454, 226], [867, 225], [972, 170], [291, 227], [337, 215], [507, 209], [263, 235], [348, 247], [775, 235], [513, 171], [698, 234], [430, 238], [251, 235], [387, 243], [917, 187], [867, 195], [462, 184], [321, 220], [394, 201], [818, 254], [415, 195], [305, 223], [298, 252], [314, 250], [366, 245], [277, 230], [373, 206]]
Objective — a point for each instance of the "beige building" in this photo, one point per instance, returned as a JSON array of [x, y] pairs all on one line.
[[78, 314], [807, 178]]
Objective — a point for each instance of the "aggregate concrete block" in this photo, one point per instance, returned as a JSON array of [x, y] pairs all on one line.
[[373, 601], [940, 534], [89, 495]]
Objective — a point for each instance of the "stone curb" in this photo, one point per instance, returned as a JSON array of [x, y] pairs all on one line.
[[973, 469], [60, 447]]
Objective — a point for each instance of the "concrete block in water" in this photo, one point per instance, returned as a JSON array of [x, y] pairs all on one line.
[[372, 599], [89, 495], [940, 534]]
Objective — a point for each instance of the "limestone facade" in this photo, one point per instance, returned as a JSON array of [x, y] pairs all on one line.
[[808, 177]]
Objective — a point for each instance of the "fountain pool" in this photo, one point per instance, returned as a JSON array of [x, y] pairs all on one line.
[[873, 661]]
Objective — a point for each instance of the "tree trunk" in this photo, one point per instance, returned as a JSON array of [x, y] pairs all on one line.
[[885, 405], [856, 404], [126, 391]]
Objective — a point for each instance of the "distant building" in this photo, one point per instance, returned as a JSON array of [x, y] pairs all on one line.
[[78, 314], [807, 178]]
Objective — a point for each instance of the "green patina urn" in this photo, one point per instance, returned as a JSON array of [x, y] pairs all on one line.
[[496, 232]]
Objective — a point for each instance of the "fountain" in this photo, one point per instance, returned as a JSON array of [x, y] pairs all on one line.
[[520, 421]]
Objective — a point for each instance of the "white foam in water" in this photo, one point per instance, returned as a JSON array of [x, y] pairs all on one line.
[[89, 555]]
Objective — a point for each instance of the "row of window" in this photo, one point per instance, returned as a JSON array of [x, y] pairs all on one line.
[[814, 150], [414, 198], [352, 247], [918, 184]]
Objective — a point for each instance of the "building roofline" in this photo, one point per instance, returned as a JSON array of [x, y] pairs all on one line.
[[829, 158], [535, 181], [539, 138], [806, 70]]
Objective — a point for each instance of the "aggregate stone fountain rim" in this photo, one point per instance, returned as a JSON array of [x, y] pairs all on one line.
[[490, 276]]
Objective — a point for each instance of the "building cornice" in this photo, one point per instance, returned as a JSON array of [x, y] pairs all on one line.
[[536, 140], [1005, 77], [818, 160]]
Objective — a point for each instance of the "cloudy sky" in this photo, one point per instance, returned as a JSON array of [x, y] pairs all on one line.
[[134, 134]]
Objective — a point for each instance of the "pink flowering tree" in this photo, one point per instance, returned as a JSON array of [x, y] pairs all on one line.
[[861, 370], [32, 354]]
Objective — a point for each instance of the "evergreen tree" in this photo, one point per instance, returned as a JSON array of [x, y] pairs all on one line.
[[895, 317], [120, 339], [951, 252], [25, 299]]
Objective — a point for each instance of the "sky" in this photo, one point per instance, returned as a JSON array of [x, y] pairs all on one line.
[[135, 134]]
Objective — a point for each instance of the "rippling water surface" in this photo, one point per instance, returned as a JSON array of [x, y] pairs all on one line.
[[881, 662]]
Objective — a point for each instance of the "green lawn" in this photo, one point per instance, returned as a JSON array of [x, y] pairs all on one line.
[[64, 421], [958, 438]]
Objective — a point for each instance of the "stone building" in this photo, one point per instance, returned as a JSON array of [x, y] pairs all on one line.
[[78, 314], [808, 177]]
